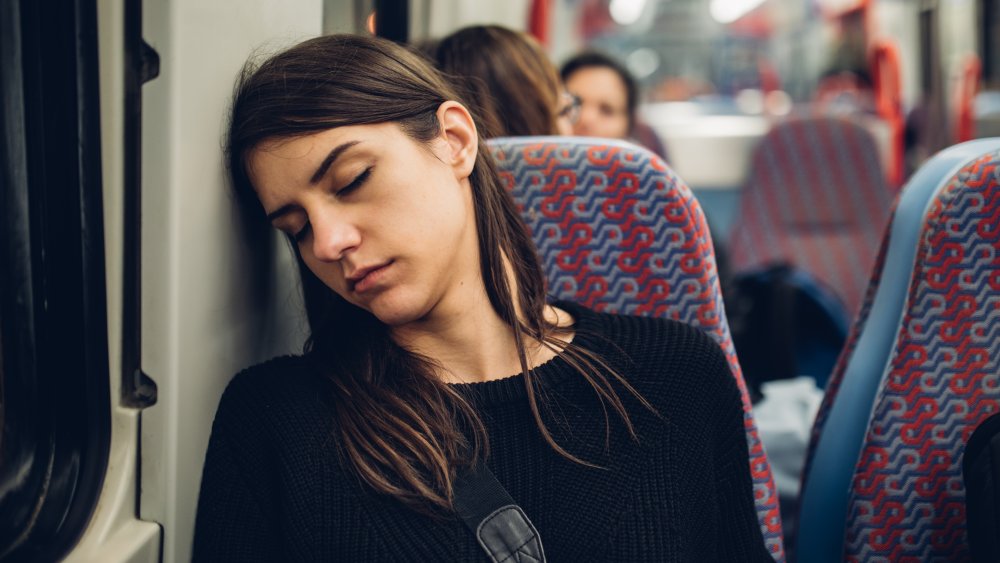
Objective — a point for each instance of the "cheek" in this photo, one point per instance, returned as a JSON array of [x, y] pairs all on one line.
[[329, 274], [564, 126], [441, 211], [623, 125]]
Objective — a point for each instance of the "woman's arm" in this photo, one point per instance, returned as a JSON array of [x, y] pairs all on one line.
[[231, 524], [233, 521]]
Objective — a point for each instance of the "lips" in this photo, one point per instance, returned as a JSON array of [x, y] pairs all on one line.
[[363, 279]]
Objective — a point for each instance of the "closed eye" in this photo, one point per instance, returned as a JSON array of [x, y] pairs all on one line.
[[301, 233], [358, 181]]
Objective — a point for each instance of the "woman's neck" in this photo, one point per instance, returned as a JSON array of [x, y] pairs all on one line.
[[469, 341], [476, 346]]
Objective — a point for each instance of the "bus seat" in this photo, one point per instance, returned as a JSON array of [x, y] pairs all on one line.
[[618, 231], [862, 496], [815, 197]]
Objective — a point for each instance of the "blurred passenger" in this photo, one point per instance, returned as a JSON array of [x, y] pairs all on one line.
[[609, 99], [508, 81], [608, 95], [435, 360], [845, 91]]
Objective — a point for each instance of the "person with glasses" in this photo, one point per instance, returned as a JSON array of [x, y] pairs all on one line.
[[569, 111]]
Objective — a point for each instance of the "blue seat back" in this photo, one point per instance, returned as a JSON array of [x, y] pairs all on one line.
[[856, 390]]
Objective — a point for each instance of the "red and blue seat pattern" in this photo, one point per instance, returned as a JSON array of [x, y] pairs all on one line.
[[816, 197], [883, 479], [619, 232], [908, 498]]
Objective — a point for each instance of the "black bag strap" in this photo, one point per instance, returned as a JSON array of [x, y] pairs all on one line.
[[502, 528]]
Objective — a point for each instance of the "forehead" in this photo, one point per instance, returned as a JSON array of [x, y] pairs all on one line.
[[306, 146], [293, 160], [597, 81]]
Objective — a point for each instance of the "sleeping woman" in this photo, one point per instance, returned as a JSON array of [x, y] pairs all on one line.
[[437, 355]]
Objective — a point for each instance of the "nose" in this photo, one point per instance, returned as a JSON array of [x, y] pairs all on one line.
[[564, 126], [333, 237], [584, 124]]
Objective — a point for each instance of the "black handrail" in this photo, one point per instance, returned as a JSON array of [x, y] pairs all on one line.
[[392, 20], [142, 64]]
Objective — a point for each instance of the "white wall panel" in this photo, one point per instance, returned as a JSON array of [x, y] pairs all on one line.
[[114, 535], [447, 16], [200, 322], [899, 20]]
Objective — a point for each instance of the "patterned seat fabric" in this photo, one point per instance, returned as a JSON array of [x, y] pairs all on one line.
[[908, 500], [619, 232], [816, 197], [843, 419]]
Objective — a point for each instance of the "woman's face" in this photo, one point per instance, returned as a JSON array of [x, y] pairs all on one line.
[[385, 221], [603, 102]]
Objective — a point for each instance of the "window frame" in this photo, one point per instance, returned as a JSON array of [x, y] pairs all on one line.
[[54, 384]]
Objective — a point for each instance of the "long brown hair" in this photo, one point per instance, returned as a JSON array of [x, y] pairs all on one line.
[[508, 80], [402, 429]]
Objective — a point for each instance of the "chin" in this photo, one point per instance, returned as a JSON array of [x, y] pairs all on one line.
[[395, 319], [395, 312]]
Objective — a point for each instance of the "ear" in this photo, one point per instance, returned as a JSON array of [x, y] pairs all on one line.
[[458, 131]]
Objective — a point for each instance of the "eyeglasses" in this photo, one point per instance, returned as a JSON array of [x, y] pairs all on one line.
[[569, 107]]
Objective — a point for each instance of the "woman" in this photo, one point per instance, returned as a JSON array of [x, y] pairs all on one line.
[[620, 437], [608, 95], [609, 99], [511, 85]]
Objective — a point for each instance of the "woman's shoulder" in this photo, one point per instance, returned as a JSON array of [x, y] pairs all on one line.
[[276, 372], [272, 391], [271, 379]]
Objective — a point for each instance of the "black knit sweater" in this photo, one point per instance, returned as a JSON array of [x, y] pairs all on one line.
[[274, 490]]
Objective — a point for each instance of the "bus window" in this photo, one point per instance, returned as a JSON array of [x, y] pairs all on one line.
[[54, 394]]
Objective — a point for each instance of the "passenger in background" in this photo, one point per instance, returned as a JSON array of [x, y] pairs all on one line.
[[434, 355], [609, 99], [508, 81], [845, 91]]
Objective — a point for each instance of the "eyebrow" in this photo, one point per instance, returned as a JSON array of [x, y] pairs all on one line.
[[330, 158], [316, 177]]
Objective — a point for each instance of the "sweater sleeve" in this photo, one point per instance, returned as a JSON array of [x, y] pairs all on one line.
[[233, 521], [740, 534]]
